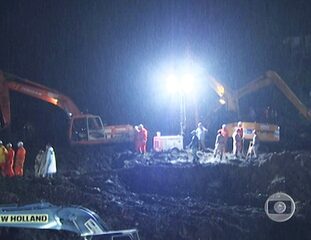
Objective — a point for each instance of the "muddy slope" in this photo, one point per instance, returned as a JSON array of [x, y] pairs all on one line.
[[173, 201]]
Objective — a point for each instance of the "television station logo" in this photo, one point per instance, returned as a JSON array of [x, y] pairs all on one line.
[[280, 207]]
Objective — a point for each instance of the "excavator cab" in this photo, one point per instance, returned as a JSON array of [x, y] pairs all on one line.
[[86, 128]]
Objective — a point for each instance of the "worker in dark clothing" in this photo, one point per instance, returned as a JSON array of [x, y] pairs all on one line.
[[194, 146], [225, 134]]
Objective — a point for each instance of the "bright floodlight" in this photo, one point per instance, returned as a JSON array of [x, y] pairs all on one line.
[[181, 82], [171, 83], [186, 84], [222, 101]]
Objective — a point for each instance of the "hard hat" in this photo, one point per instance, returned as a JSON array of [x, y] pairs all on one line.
[[1, 143], [9, 145], [224, 126], [20, 144], [140, 126], [239, 123]]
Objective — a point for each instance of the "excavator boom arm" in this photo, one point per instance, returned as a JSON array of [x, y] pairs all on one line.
[[24, 86], [224, 92], [273, 78]]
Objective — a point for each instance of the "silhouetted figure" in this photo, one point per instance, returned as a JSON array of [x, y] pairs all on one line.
[[194, 146]]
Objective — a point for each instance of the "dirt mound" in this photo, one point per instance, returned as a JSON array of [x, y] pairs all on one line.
[[167, 199]]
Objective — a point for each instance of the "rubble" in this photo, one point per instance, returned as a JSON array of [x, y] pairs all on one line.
[[169, 197]]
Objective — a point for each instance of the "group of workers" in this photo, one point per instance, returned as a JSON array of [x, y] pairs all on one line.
[[11, 162], [45, 163], [198, 142], [238, 142]]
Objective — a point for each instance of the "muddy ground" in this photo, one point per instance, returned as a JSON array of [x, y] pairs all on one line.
[[169, 197]]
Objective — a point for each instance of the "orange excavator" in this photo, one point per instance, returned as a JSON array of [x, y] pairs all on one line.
[[84, 129]]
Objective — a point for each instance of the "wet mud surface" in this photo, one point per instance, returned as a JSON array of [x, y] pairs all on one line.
[[171, 198]]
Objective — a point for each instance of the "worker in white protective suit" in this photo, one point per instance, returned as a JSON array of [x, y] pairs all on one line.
[[253, 149], [219, 145], [201, 132], [50, 164], [40, 164]]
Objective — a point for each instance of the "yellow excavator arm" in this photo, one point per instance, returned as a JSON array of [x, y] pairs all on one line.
[[226, 95], [270, 78]]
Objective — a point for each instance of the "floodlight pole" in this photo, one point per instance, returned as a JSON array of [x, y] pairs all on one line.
[[182, 114]]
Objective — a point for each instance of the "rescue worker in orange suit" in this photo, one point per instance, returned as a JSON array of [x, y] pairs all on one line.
[[20, 159], [9, 172], [141, 138], [3, 156]]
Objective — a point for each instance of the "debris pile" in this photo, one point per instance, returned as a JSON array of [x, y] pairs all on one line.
[[169, 197]]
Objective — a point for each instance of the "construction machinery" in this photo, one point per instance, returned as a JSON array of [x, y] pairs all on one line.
[[231, 98], [226, 95], [82, 221], [83, 129], [266, 132], [272, 78]]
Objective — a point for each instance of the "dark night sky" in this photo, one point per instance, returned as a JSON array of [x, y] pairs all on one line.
[[105, 55]]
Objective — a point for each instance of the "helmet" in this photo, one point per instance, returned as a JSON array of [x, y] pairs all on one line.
[[1, 143], [9, 145], [240, 124], [20, 144]]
